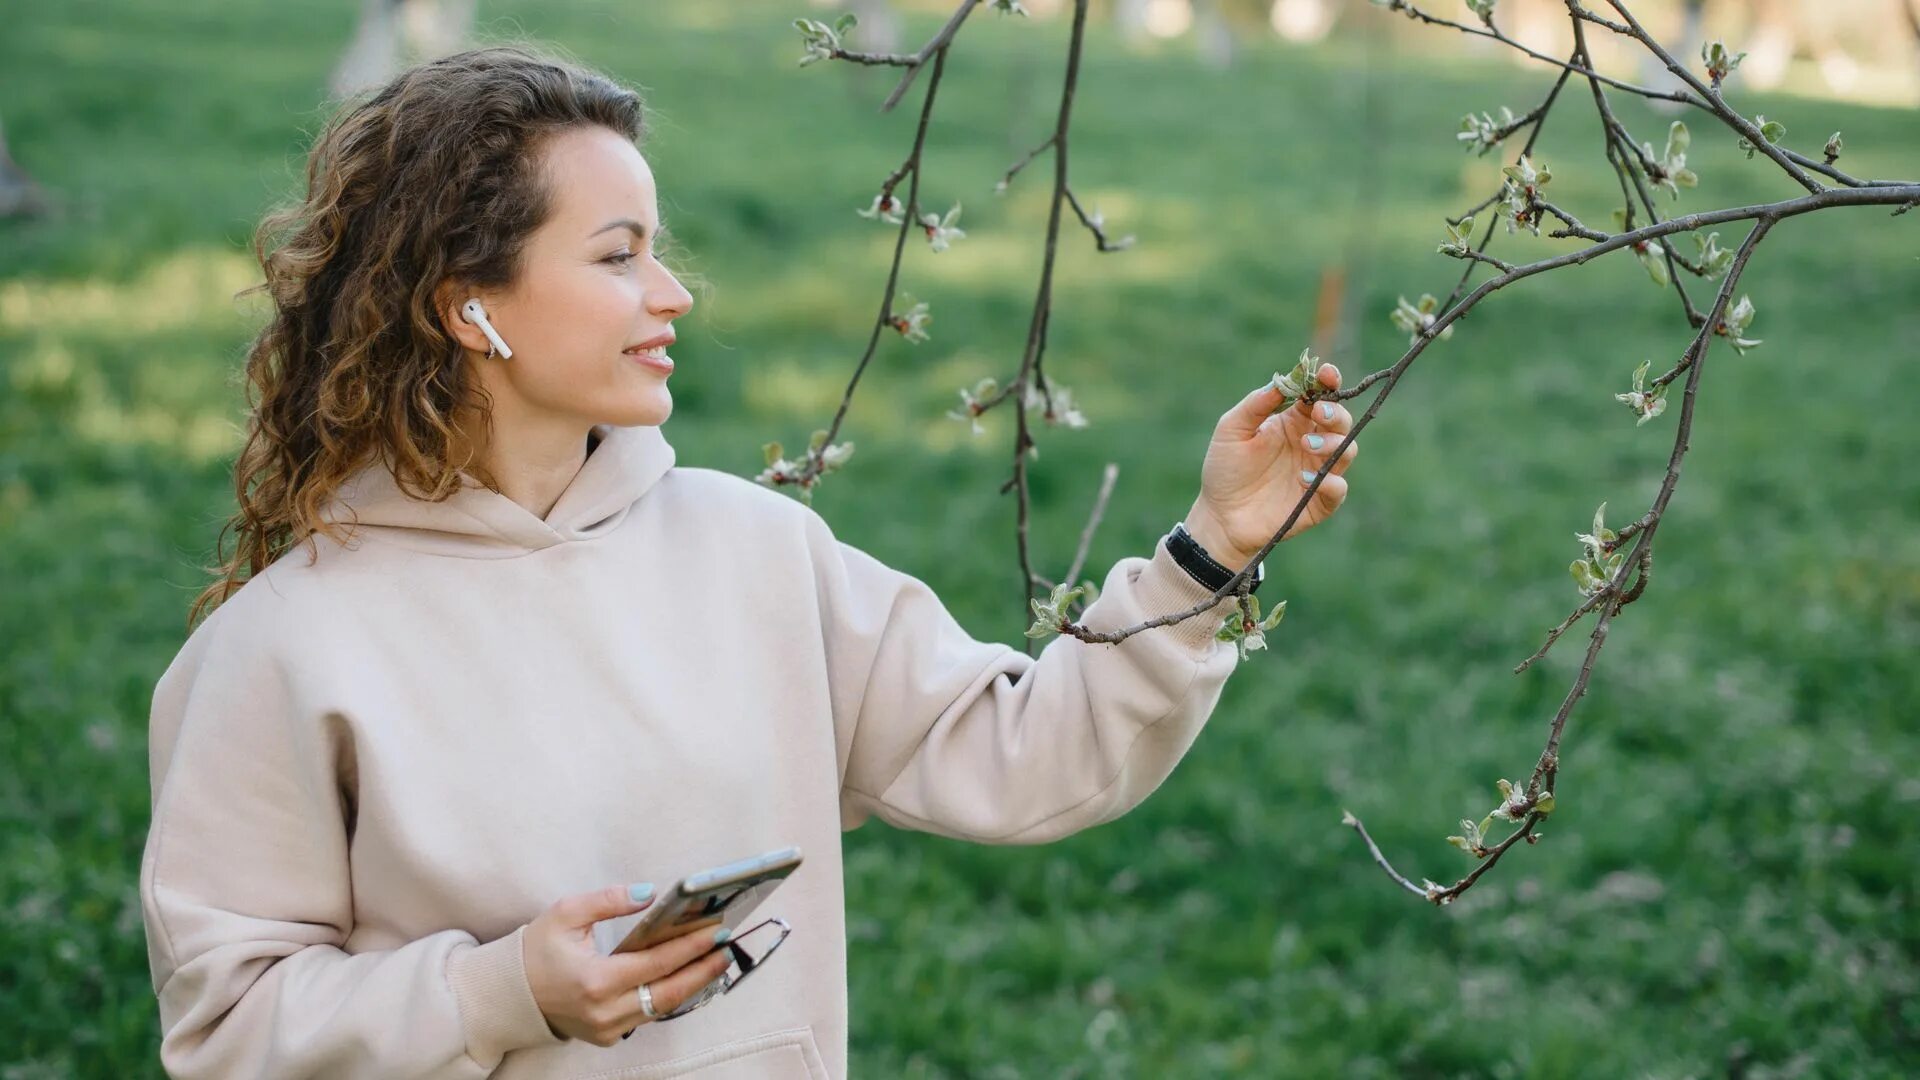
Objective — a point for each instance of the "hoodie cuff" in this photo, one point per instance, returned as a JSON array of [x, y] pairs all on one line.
[[497, 1008], [1164, 587]]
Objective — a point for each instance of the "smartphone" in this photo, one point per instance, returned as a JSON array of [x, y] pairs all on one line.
[[723, 895]]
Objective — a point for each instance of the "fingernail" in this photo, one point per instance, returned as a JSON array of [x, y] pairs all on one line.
[[722, 936], [1306, 476], [1326, 411], [640, 892], [1315, 441]]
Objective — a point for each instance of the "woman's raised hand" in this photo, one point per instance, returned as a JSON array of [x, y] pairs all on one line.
[[1259, 462], [595, 998]]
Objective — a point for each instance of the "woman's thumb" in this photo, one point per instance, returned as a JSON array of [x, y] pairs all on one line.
[[611, 902], [1242, 421]]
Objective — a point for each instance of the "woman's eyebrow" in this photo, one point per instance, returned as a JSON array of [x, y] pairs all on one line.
[[638, 230]]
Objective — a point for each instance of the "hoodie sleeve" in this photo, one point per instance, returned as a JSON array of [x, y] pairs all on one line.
[[976, 740], [245, 893]]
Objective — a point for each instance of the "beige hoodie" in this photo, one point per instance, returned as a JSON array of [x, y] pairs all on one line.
[[371, 771]]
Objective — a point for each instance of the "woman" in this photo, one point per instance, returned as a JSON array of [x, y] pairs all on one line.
[[527, 656]]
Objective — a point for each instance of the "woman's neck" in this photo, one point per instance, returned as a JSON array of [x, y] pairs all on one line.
[[533, 467]]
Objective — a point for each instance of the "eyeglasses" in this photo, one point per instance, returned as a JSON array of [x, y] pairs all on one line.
[[746, 961]]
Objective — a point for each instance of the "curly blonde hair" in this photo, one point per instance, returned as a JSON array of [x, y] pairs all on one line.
[[433, 176]]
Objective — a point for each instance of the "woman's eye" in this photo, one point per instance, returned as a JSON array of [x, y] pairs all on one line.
[[620, 257]]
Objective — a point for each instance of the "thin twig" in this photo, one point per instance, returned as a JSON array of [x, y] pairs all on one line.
[[1349, 819], [1108, 475], [934, 45], [1714, 103], [1539, 120], [1495, 34], [1574, 228], [814, 465], [1015, 168], [1043, 304], [1099, 234], [1442, 896], [1551, 755], [1620, 146], [1474, 255], [874, 59], [1553, 635], [1827, 169]]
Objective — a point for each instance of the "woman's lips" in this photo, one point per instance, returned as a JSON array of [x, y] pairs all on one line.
[[656, 359]]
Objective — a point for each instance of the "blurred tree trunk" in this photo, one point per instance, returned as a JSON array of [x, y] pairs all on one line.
[[1131, 17], [1912, 9], [879, 29], [1769, 46], [1213, 33], [397, 33], [1685, 44], [20, 195]]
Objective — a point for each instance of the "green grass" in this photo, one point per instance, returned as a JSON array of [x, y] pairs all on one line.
[[1731, 876]]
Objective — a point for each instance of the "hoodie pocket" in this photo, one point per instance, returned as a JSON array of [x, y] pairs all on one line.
[[777, 1055]]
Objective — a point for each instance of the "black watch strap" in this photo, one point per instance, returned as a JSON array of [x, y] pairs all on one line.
[[1202, 567]]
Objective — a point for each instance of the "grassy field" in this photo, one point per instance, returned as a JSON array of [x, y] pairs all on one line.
[[1729, 884]]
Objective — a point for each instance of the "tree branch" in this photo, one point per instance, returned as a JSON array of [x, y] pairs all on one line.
[[1633, 170], [1830, 197], [935, 45], [1493, 33]]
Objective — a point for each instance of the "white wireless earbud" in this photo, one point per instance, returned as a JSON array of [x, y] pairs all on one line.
[[477, 315]]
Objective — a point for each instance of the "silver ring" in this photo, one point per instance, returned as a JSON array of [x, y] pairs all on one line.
[[646, 1002]]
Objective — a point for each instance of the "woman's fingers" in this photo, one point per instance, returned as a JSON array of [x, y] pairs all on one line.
[[1251, 415], [1320, 447], [1331, 493], [673, 991], [659, 960], [1326, 416]]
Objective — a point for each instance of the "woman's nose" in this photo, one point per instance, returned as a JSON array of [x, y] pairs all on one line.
[[668, 298]]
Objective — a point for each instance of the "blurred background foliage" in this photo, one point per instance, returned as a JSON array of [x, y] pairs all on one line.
[[1728, 884]]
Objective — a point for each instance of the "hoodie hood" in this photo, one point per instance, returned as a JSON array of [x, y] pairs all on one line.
[[479, 523]]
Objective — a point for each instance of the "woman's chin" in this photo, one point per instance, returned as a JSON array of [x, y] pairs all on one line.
[[646, 409]]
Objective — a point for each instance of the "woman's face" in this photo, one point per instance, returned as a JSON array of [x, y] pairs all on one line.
[[589, 289]]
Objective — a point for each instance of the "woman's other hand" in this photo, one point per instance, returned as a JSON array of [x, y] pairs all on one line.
[[595, 998]]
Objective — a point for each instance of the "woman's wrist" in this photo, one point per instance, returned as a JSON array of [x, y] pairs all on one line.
[[1207, 533]]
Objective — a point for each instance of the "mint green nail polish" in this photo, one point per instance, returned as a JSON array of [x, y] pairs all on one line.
[[1306, 476], [722, 936], [640, 892], [1315, 441], [1326, 411]]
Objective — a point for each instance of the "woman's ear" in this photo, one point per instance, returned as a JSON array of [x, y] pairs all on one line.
[[446, 303]]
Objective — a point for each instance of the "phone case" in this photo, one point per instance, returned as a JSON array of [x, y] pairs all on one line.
[[722, 895]]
